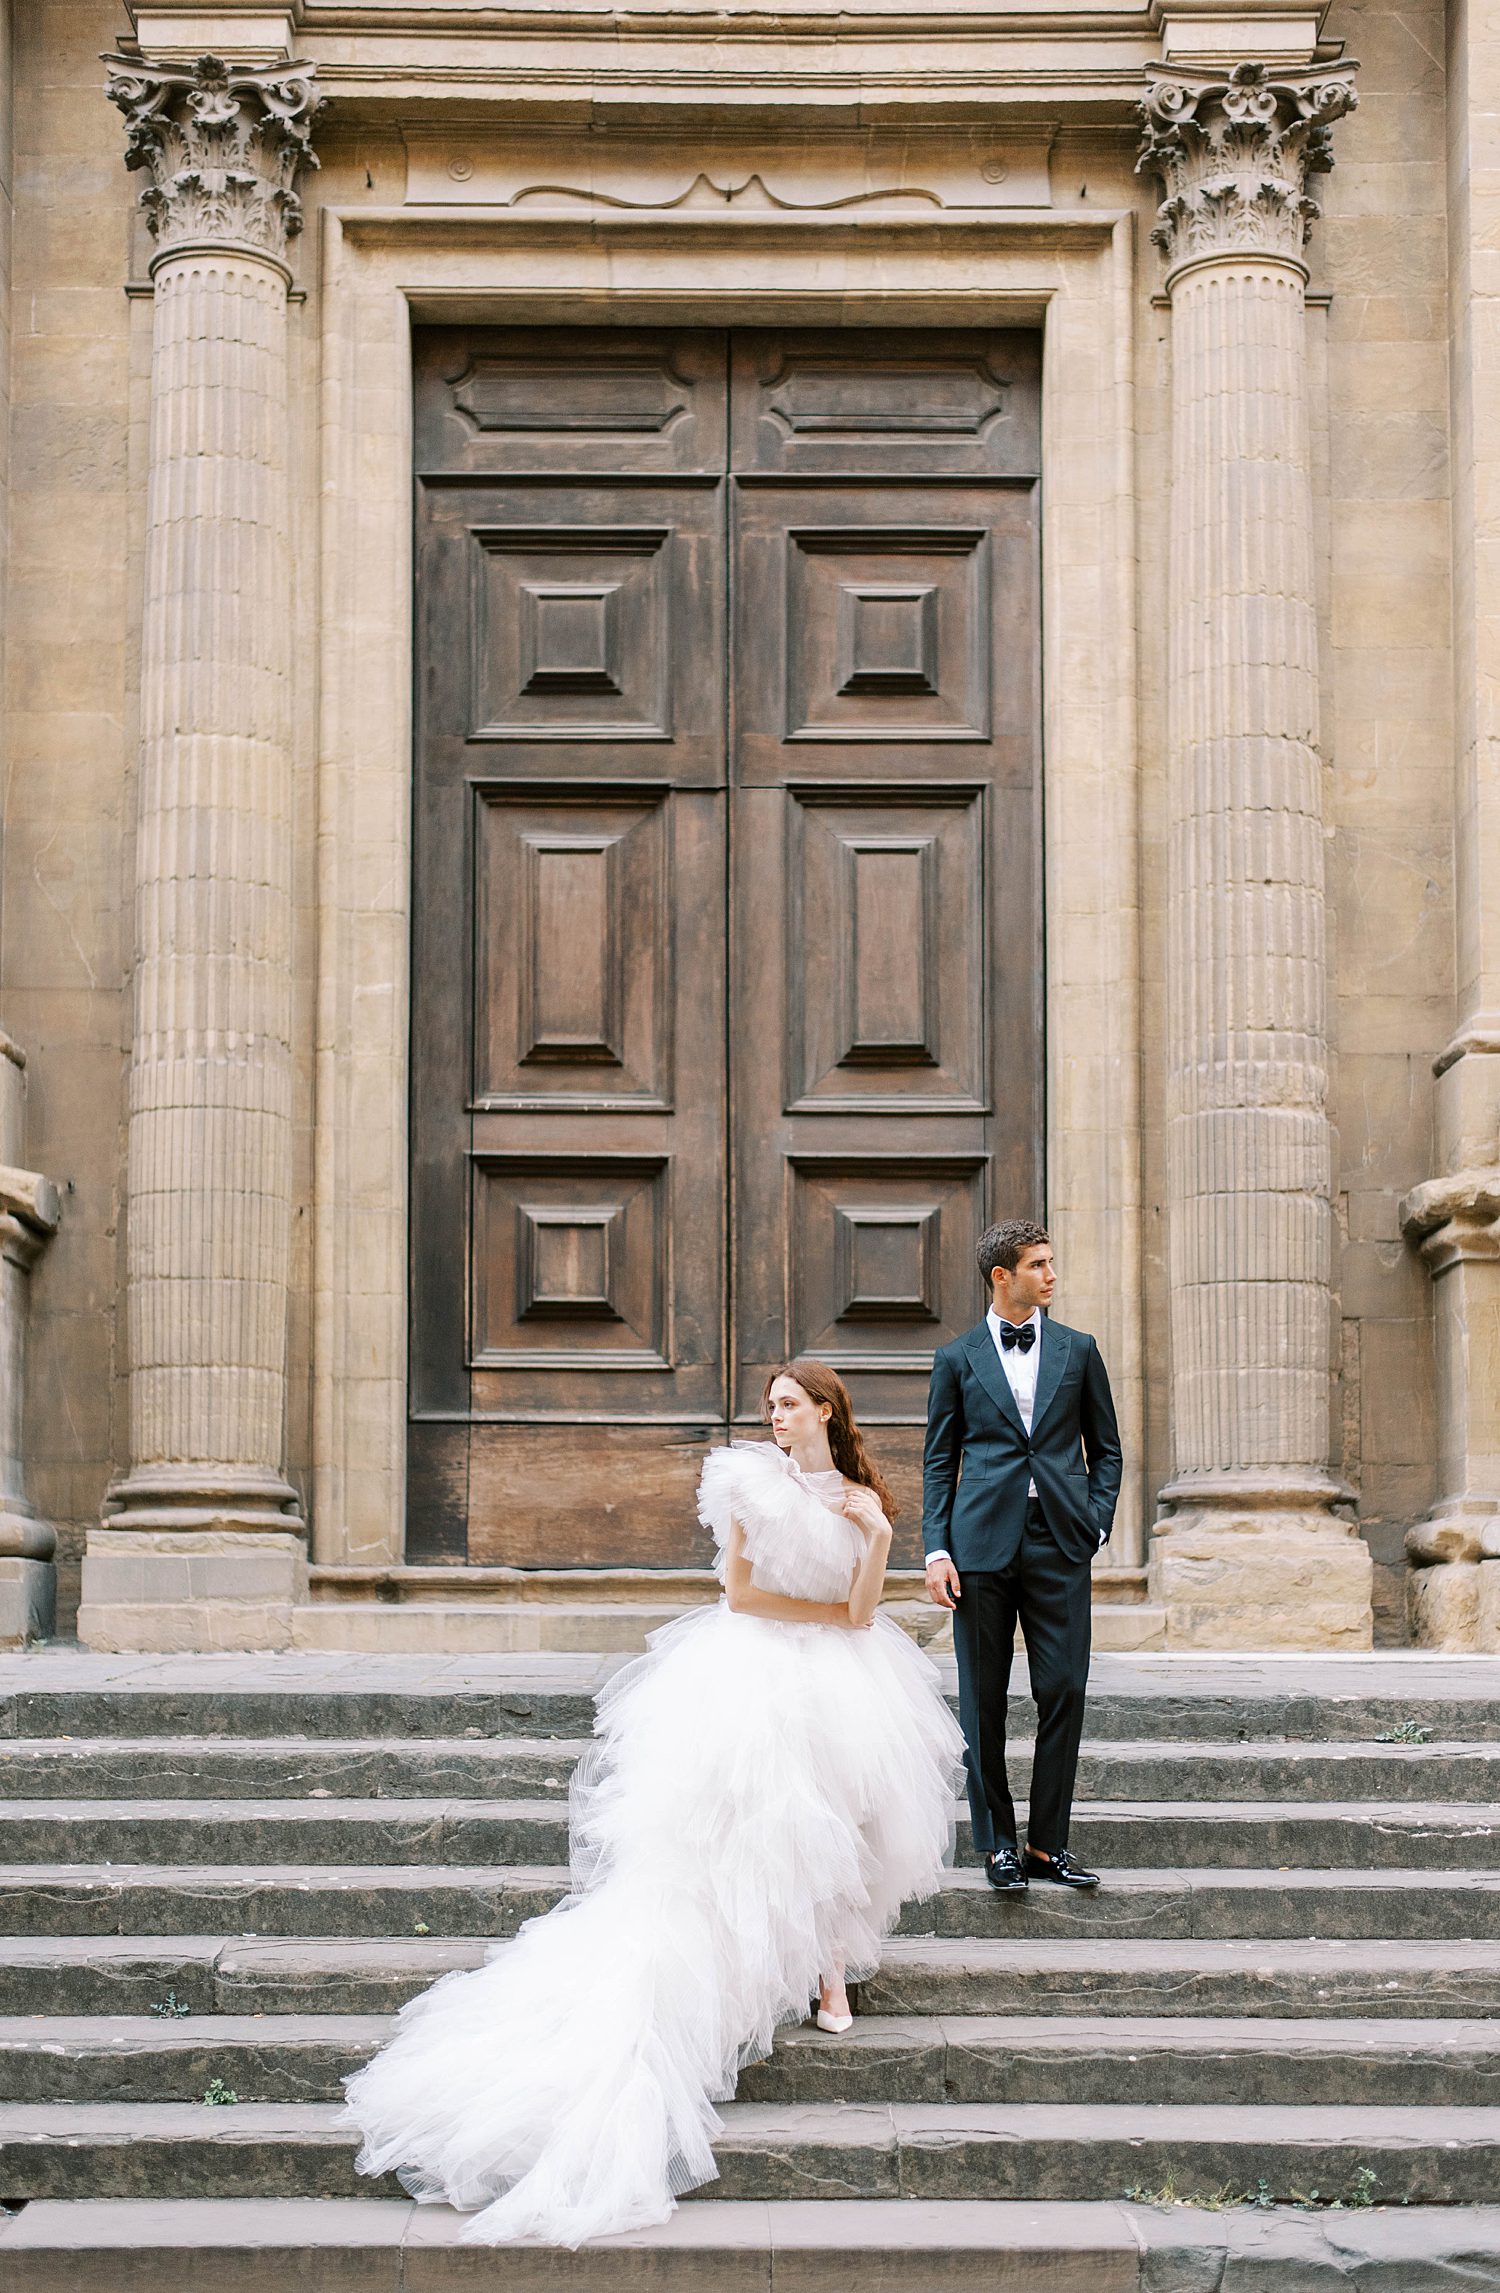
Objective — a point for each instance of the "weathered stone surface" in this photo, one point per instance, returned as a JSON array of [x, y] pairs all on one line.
[[1248, 1150], [903, 2246], [1237, 1977], [838, 2153]]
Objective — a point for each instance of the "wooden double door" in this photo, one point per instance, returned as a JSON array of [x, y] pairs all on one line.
[[727, 958]]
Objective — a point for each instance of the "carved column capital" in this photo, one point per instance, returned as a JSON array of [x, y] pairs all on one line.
[[1235, 151], [222, 146]]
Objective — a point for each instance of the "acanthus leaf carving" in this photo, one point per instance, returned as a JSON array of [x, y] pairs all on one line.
[[1235, 151], [222, 145]]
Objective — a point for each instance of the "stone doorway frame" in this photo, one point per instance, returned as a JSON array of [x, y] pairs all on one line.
[[1071, 273]]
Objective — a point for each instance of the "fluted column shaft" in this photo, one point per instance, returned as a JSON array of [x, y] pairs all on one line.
[[1251, 1551], [202, 1536], [210, 1090], [1249, 1160]]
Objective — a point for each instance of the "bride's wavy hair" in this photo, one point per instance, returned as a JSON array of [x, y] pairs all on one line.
[[824, 1385]]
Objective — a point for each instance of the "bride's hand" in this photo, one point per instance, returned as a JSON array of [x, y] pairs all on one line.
[[862, 1507]]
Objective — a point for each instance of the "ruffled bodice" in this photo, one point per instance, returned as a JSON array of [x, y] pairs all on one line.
[[795, 1543]]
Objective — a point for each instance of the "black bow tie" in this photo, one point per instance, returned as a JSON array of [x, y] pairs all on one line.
[[1024, 1337]]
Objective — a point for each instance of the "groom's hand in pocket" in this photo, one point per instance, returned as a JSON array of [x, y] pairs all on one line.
[[942, 1582]]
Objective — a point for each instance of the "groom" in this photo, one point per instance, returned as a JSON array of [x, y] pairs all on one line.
[[1020, 1476]]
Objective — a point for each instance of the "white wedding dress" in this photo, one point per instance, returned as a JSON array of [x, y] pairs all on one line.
[[759, 1801]]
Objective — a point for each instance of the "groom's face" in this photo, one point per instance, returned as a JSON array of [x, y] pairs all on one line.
[[1032, 1283]]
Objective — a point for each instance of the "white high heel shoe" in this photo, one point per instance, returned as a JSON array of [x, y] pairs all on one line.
[[834, 2024]]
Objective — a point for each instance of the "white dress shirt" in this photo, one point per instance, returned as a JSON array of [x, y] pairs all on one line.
[[1020, 1373], [1020, 1368]]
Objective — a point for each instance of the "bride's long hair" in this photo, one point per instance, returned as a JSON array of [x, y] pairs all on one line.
[[845, 1441]]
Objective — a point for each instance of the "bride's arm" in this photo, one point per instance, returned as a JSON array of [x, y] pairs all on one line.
[[869, 1578], [748, 1598]]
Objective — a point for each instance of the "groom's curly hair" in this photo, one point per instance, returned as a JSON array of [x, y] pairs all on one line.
[[845, 1441], [1002, 1245]]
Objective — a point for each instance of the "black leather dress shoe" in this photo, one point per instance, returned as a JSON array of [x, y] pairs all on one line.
[[1060, 1869], [1004, 1873]]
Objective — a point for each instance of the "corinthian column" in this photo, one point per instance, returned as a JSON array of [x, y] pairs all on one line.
[[202, 1541], [1252, 1551]]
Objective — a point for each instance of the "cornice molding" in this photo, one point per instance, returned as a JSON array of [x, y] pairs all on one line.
[[1235, 151], [222, 145]]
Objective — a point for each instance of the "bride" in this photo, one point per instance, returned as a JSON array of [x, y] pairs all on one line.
[[766, 1787]]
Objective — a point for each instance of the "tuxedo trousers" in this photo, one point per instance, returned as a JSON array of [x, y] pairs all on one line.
[[1050, 1596]]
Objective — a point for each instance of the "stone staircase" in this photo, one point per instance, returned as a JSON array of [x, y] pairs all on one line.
[[220, 1876]]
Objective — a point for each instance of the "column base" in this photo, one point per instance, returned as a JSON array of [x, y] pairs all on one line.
[[1256, 1578], [28, 1600], [152, 1590], [1453, 1592], [188, 1499], [28, 1580]]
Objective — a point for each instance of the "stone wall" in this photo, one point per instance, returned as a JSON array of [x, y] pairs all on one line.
[[70, 729], [1388, 713], [79, 369]]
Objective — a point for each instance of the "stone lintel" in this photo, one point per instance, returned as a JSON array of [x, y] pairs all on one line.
[[168, 34], [1208, 36]]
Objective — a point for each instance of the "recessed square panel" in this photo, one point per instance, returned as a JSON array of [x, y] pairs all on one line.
[[885, 1262], [888, 637], [885, 957], [882, 1255], [563, 1263], [888, 634], [568, 1261], [571, 996], [570, 633], [569, 637]]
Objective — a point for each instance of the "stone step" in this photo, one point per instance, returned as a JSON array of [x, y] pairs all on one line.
[[1225, 1834], [481, 1900], [490, 1627], [1354, 2063], [471, 1767], [825, 2151], [920, 1975], [1319, 1699], [926, 1975], [366, 2245]]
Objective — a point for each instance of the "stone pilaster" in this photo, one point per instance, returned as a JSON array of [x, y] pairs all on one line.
[[202, 1543], [1253, 1549], [1455, 1219], [1455, 1552], [29, 1211]]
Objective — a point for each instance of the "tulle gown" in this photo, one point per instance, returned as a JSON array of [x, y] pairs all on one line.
[[758, 1802]]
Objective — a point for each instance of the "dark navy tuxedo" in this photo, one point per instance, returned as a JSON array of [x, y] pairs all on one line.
[[1019, 1558]]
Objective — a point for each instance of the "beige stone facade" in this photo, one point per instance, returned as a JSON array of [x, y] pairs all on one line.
[[1271, 615]]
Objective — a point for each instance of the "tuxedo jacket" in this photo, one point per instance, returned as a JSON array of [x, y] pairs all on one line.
[[979, 1459]]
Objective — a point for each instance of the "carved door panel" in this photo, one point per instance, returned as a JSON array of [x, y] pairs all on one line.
[[570, 1161], [725, 959], [886, 1015]]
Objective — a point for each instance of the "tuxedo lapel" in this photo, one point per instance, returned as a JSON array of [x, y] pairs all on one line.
[[1057, 1344], [986, 1366]]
